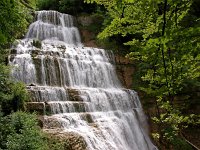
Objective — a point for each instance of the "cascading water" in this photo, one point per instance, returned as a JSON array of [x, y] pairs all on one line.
[[79, 85]]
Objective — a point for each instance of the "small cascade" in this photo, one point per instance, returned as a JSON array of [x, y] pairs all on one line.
[[54, 25], [77, 86]]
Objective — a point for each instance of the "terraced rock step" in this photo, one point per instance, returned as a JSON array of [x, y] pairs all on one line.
[[70, 140], [61, 100], [57, 107], [38, 107], [75, 89], [64, 120], [68, 107], [49, 93]]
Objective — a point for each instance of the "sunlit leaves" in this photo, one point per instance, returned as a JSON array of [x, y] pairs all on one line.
[[166, 50], [13, 17], [20, 131]]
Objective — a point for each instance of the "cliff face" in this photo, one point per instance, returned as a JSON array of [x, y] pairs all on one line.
[[125, 70]]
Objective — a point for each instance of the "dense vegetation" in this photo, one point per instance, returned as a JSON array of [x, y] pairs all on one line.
[[72, 7], [161, 36], [14, 18], [163, 39], [18, 130]]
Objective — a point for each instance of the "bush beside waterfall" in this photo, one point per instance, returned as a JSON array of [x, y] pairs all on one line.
[[18, 130]]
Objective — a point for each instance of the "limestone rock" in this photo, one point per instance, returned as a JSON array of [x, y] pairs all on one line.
[[38, 107], [68, 140]]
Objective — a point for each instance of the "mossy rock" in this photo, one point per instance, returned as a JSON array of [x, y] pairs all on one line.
[[58, 140]]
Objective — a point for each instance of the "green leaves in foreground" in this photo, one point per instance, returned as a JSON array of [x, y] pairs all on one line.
[[13, 20], [19, 131], [165, 47]]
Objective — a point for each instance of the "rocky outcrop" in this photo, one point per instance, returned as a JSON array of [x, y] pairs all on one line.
[[74, 95], [38, 107], [125, 69], [66, 140]]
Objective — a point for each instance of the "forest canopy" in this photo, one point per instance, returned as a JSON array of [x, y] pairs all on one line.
[[163, 40]]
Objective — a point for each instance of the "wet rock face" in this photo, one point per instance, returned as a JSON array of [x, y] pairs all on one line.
[[85, 20], [52, 123], [42, 104], [125, 69], [76, 142], [38, 107], [74, 95], [68, 140]]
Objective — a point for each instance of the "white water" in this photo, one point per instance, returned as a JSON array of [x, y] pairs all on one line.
[[80, 86]]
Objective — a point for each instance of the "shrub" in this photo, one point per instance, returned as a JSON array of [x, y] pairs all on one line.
[[19, 131]]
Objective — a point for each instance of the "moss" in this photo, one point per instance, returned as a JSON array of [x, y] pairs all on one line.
[[54, 143], [65, 141], [15, 43]]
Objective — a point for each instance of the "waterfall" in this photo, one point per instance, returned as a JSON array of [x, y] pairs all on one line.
[[78, 86]]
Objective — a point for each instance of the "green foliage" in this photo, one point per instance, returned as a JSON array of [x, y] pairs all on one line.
[[5, 130], [55, 143], [13, 95], [19, 131], [20, 96], [69, 6], [30, 4], [72, 7], [179, 143], [13, 18], [166, 50], [48, 4], [25, 134]]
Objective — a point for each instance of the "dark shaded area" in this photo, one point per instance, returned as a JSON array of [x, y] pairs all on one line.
[[73, 7]]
